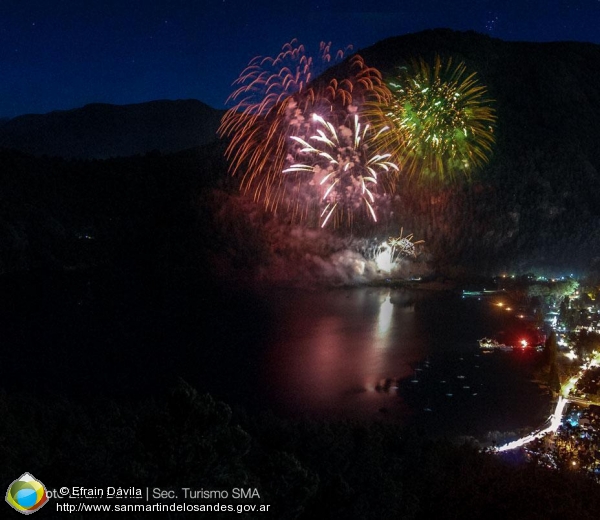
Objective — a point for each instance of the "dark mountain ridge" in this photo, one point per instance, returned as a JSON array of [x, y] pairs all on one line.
[[99, 131], [535, 206]]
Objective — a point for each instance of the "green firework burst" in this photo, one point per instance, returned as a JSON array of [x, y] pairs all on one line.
[[441, 120]]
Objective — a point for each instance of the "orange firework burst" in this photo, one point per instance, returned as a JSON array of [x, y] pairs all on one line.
[[274, 101]]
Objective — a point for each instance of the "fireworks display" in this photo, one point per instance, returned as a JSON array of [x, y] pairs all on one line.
[[342, 173], [326, 151], [269, 103], [441, 120], [272, 122], [389, 252]]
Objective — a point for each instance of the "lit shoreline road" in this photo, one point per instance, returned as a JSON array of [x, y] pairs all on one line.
[[555, 419]]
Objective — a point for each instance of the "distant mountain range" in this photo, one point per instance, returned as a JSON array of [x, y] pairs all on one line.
[[100, 131], [534, 207]]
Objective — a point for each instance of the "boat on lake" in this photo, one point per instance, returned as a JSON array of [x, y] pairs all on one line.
[[488, 344]]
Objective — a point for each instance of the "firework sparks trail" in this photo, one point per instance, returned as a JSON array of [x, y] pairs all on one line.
[[271, 117], [441, 120], [345, 176], [265, 105], [404, 245], [388, 252]]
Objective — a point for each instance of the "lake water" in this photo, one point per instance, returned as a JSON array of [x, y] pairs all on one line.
[[365, 353], [411, 356]]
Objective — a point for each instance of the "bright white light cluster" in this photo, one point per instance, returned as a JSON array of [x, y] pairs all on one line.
[[390, 251], [555, 422], [556, 418]]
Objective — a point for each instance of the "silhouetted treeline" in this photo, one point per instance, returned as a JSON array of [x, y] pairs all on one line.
[[141, 211], [303, 469]]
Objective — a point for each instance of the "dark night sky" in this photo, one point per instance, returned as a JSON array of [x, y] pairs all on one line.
[[61, 54]]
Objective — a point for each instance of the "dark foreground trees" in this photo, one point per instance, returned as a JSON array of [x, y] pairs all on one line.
[[303, 469]]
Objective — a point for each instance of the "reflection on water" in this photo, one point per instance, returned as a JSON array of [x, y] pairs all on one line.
[[373, 352], [384, 319], [367, 353], [333, 348]]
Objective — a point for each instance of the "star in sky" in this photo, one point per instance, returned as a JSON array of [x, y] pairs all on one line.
[[491, 22], [70, 53]]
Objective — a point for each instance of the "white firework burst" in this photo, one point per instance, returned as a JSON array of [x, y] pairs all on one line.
[[389, 252], [341, 169]]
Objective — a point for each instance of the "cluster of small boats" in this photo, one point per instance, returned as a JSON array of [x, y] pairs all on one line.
[[488, 345]]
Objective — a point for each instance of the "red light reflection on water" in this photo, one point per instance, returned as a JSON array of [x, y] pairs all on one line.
[[334, 349]]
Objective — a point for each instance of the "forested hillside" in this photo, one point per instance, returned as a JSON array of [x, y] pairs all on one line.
[[537, 203], [535, 206]]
